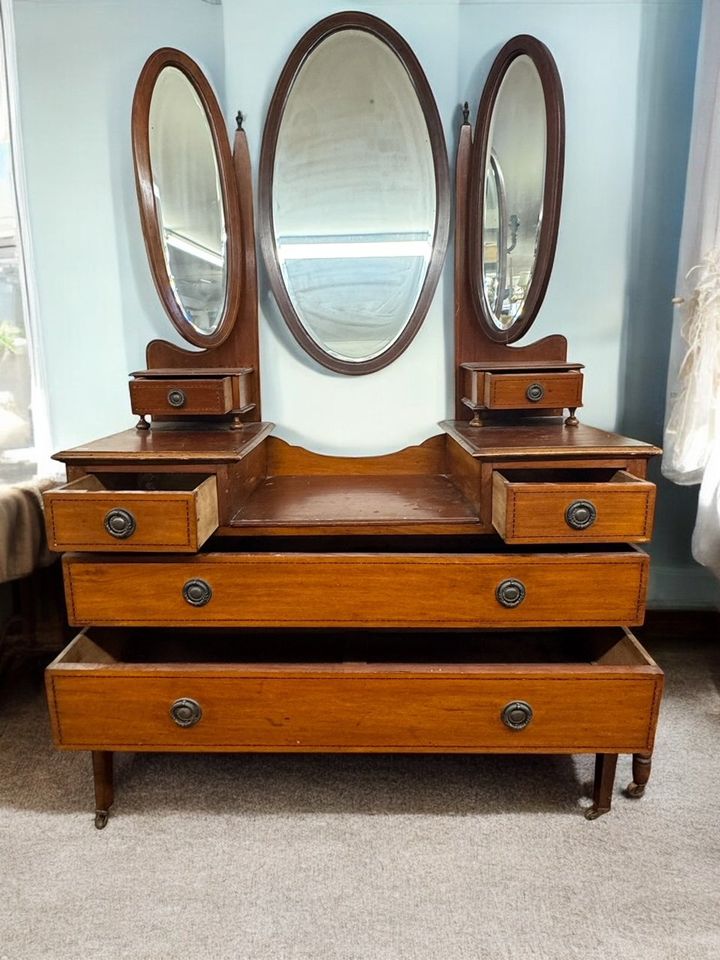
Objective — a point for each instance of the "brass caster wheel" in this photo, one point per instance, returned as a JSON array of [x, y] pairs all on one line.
[[101, 819], [635, 790], [592, 813]]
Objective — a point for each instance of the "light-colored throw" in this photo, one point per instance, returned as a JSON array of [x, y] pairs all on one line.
[[23, 546]]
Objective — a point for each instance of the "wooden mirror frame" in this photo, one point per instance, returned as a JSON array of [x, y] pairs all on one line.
[[307, 44], [522, 45], [158, 61]]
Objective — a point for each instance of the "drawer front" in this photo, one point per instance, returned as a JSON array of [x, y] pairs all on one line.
[[182, 396], [360, 590], [619, 511], [519, 391], [84, 516], [430, 707]]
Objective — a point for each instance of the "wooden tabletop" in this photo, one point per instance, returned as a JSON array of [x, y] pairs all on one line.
[[168, 443], [543, 438]]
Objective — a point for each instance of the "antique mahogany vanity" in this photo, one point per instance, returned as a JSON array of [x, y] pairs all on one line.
[[470, 594]]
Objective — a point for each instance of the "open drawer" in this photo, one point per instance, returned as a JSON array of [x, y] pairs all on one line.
[[464, 582], [566, 691], [132, 512], [570, 506]]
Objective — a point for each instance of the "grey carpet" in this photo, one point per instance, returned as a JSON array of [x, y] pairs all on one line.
[[363, 858]]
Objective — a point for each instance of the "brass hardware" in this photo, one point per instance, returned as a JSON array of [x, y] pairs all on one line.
[[197, 593], [101, 819], [517, 714], [510, 593], [120, 523], [176, 398], [581, 514], [186, 712], [535, 392]]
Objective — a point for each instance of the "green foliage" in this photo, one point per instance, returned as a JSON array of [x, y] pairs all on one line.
[[9, 336]]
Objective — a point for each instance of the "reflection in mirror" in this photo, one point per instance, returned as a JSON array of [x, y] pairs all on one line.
[[514, 186], [494, 233], [188, 198], [354, 197]]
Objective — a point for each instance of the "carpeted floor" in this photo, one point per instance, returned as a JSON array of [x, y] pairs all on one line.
[[364, 858]]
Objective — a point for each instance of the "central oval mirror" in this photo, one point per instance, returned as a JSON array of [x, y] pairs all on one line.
[[354, 193], [516, 187], [188, 196]]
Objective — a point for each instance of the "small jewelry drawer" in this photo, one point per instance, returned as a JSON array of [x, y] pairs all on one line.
[[183, 396], [167, 513], [567, 506], [520, 391], [570, 691], [596, 587]]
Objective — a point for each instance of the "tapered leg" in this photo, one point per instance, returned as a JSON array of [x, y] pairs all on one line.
[[572, 420], [642, 765], [103, 775], [605, 764]]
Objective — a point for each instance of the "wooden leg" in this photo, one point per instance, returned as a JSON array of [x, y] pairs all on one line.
[[572, 420], [605, 764], [142, 423], [642, 765], [237, 422], [103, 774]]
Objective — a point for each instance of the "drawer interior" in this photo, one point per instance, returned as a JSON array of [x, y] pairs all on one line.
[[131, 482], [354, 648], [569, 475]]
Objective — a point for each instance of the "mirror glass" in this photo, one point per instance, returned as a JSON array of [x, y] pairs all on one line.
[[354, 197], [514, 188], [188, 199]]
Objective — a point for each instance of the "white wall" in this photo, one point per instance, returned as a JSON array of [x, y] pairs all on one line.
[[78, 61]]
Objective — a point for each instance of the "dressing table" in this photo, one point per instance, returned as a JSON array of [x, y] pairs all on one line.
[[470, 594]]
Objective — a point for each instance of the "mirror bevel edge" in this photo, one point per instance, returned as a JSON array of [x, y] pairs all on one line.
[[155, 64], [539, 54], [295, 62]]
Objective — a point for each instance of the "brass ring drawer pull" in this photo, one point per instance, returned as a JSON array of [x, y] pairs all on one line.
[[517, 714], [581, 514], [186, 712], [535, 392], [120, 523], [176, 398], [510, 593], [197, 593]]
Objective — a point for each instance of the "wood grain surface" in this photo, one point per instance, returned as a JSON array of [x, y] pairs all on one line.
[[363, 589]]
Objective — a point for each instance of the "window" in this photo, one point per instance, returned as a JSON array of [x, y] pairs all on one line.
[[21, 434]]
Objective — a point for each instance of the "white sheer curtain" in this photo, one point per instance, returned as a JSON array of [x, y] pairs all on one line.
[[692, 428]]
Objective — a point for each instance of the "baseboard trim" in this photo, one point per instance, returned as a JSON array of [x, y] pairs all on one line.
[[682, 588]]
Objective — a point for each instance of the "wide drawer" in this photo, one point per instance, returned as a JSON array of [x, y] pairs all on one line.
[[566, 506], [105, 694], [513, 391], [186, 396], [551, 588], [167, 513]]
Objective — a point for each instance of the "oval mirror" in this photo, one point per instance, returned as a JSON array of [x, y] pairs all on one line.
[[354, 193], [516, 187], [188, 197]]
